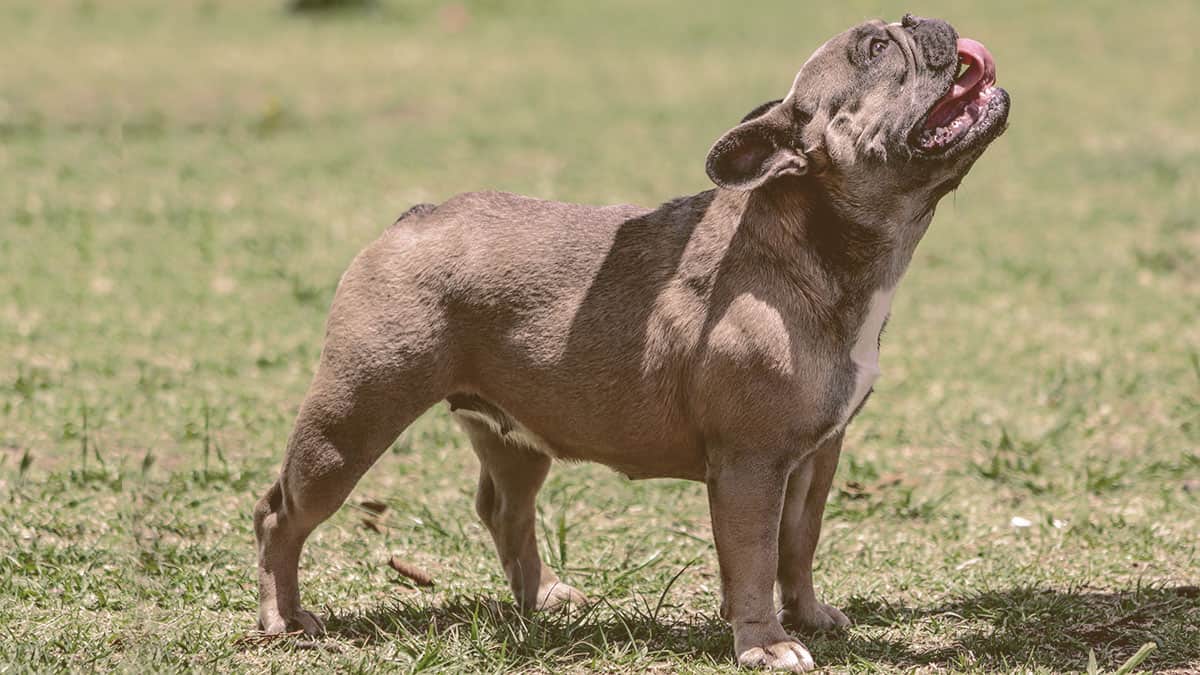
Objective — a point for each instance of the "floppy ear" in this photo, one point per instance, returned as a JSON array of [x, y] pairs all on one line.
[[763, 147]]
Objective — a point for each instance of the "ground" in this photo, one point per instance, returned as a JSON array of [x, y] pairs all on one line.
[[184, 182]]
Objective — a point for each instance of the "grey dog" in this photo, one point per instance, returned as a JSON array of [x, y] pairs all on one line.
[[727, 337]]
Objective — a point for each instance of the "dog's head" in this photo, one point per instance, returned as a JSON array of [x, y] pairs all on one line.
[[878, 112]]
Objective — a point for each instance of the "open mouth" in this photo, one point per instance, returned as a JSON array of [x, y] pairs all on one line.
[[965, 105]]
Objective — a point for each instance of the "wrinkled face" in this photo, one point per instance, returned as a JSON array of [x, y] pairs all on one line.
[[900, 109]]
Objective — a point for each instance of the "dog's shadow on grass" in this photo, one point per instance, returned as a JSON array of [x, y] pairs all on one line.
[[1020, 627], [496, 633], [1024, 627]]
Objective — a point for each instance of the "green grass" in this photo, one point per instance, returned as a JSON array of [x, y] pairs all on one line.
[[182, 184]]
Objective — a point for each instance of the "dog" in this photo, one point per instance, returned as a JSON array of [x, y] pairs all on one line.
[[727, 337]]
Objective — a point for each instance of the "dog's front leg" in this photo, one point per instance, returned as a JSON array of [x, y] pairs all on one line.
[[745, 495], [799, 531]]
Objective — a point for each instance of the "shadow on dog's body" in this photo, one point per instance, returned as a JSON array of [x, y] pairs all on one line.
[[726, 337]]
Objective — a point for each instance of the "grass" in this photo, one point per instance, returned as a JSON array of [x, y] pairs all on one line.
[[184, 182]]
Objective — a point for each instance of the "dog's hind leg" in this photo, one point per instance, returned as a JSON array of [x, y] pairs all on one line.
[[355, 408], [799, 531], [510, 476]]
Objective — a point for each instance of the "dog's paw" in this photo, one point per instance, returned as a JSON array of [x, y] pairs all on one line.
[[788, 655], [557, 594], [275, 624], [814, 618]]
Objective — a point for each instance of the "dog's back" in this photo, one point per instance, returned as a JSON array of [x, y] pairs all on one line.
[[557, 315]]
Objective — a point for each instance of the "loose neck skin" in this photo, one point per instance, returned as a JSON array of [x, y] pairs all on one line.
[[795, 222]]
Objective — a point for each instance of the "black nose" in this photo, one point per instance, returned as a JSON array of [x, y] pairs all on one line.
[[935, 38]]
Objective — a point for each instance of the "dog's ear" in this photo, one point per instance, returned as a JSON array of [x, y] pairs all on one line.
[[762, 148], [760, 110]]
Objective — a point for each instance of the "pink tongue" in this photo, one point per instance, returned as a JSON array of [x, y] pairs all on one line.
[[980, 66], [980, 73]]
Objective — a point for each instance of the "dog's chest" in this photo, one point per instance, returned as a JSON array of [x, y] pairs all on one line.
[[864, 353]]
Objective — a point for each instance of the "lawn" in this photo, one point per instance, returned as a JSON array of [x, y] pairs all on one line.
[[182, 183]]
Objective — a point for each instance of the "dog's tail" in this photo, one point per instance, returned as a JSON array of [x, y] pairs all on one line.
[[416, 212]]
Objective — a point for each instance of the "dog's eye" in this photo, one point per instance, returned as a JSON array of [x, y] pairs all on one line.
[[878, 45]]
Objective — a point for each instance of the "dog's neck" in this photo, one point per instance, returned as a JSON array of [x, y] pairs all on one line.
[[794, 222]]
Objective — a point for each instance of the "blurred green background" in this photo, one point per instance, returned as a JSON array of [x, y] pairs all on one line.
[[183, 183]]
